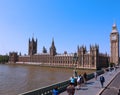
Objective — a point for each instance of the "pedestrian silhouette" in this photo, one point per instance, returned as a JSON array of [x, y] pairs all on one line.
[[85, 77], [72, 80], [102, 80], [119, 92], [79, 81], [71, 89], [95, 75], [55, 91]]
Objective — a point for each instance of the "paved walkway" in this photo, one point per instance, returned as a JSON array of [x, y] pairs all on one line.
[[93, 87]]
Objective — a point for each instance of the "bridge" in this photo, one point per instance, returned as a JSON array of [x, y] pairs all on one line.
[[92, 87]]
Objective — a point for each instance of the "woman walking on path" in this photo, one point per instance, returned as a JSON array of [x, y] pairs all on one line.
[[85, 77], [72, 80], [78, 82]]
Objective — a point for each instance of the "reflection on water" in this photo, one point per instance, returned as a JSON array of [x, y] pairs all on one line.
[[16, 79]]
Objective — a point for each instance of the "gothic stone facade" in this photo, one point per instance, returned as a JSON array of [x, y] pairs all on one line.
[[114, 40], [90, 60], [13, 57]]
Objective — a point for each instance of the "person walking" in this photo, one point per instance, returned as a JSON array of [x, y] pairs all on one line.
[[71, 89], [102, 80], [72, 80], [95, 75], [55, 91], [119, 92], [78, 82], [85, 77]]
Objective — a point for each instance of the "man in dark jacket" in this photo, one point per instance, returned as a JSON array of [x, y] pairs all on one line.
[[102, 80]]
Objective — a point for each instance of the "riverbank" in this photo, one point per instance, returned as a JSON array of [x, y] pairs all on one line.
[[79, 70]]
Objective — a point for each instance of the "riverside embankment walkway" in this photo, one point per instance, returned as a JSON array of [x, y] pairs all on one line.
[[93, 87]]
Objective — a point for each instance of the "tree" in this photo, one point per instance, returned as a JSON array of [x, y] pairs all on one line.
[[4, 58]]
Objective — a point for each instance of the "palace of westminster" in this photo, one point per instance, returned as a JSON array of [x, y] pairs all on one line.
[[81, 59]]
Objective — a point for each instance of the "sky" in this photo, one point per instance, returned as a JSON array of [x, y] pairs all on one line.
[[69, 22]]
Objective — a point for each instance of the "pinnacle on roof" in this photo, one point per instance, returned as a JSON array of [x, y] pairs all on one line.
[[114, 25], [52, 41], [114, 28]]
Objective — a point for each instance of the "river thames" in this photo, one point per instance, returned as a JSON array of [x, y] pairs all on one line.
[[16, 79]]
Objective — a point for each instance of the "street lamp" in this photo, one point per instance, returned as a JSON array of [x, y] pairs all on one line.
[[75, 59]]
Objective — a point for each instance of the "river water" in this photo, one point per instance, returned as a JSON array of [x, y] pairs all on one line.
[[16, 79]]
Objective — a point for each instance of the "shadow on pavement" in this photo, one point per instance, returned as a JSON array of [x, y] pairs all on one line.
[[89, 83]]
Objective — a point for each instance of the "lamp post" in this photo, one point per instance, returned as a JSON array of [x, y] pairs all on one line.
[[75, 59]]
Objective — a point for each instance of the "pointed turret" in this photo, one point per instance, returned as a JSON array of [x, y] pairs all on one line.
[[44, 50], [53, 48], [32, 46], [114, 28], [78, 48], [53, 42]]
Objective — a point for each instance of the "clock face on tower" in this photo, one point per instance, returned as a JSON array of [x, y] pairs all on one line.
[[114, 37]]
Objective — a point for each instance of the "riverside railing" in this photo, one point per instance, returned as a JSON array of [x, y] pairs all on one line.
[[61, 86], [99, 72], [48, 89]]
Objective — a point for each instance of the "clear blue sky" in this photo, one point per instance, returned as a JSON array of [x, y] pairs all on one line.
[[69, 22]]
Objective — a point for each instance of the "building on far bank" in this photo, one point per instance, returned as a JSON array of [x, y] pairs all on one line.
[[89, 59], [13, 57], [114, 40]]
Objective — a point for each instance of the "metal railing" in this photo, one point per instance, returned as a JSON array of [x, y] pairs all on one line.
[[48, 89], [61, 86]]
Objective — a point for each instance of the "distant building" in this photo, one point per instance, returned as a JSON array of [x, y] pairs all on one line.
[[90, 59], [13, 57], [32, 47], [114, 40]]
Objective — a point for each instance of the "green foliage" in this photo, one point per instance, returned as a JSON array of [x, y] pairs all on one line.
[[4, 58], [112, 64]]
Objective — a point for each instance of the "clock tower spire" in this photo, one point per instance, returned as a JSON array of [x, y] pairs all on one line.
[[114, 40]]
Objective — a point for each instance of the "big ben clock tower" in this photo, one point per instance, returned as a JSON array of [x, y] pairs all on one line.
[[114, 40]]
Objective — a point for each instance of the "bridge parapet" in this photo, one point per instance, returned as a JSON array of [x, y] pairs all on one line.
[[61, 86], [48, 89]]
